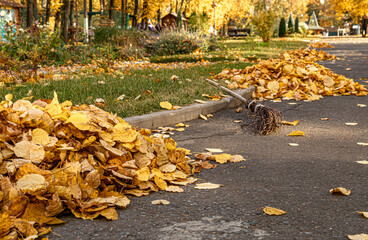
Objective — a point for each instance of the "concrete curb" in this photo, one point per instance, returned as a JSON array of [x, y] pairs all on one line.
[[171, 117]]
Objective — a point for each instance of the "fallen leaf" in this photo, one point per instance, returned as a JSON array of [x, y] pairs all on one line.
[[351, 123], [290, 123], [238, 121], [174, 189], [362, 236], [214, 150], [166, 105], [362, 162], [361, 105], [341, 190], [203, 117], [362, 144], [239, 109], [200, 101], [324, 119], [160, 202], [207, 185], [236, 158], [365, 214], [222, 158], [348, 69], [121, 97], [293, 144], [296, 133], [273, 211]]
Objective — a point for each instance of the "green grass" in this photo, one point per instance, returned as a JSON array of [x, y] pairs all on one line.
[[86, 89]]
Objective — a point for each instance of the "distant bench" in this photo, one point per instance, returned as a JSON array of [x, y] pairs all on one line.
[[238, 32]]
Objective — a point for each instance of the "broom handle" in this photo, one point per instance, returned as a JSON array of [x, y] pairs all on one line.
[[232, 93]]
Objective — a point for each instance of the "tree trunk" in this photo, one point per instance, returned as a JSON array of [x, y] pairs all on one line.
[[48, 11], [35, 10], [123, 13], [30, 18], [111, 9], [136, 13], [71, 13], [57, 19], [90, 16], [65, 20], [144, 16]]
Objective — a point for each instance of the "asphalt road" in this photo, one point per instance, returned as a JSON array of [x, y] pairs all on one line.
[[295, 179]]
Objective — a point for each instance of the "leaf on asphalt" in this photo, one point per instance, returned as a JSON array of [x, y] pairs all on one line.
[[160, 202], [239, 110], [351, 123], [203, 156], [293, 144], [238, 121], [361, 105], [296, 133], [166, 105], [221, 158], [364, 214], [348, 69], [362, 144], [365, 162], [214, 150], [180, 129], [203, 117], [182, 125], [209, 115], [290, 123], [174, 189], [207, 165], [324, 119], [341, 190], [236, 158], [273, 211], [207, 186], [292, 103], [362, 236]]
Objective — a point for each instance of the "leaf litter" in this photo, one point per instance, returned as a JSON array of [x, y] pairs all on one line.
[[57, 157]]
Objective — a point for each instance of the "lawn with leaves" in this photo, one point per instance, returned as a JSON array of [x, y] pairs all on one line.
[[144, 89]]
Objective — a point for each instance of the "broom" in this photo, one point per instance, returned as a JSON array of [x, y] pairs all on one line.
[[268, 119]]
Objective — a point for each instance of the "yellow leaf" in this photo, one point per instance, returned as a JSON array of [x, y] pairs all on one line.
[[143, 174], [40, 136], [79, 120], [273, 86], [203, 117], [110, 213], [324, 119], [273, 211], [222, 158], [30, 151], [174, 189], [362, 162], [32, 184], [341, 190], [207, 185], [351, 123], [365, 214], [166, 105], [161, 184], [160, 202], [290, 123], [361, 105], [362, 144], [8, 97], [296, 133], [237, 158], [362, 236], [54, 107], [293, 144], [214, 150], [123, 134]]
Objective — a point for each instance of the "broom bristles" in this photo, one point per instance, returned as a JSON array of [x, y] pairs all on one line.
[[268, 120]]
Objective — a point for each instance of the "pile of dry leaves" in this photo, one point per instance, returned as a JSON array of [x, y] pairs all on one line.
[[56, 157], [308, 55], [320, 44], [291, 78]]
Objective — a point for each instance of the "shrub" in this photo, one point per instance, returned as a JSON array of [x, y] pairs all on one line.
[[263, 22], [171, 43], [282, 28], [297, 25], [290, 26]]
